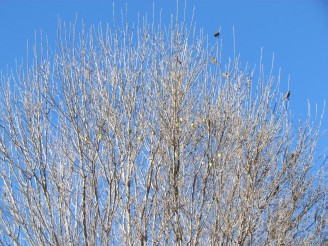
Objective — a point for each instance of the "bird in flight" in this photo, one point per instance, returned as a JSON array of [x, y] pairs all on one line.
[[217, 34]]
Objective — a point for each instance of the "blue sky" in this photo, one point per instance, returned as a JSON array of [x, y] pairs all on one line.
[[296, 31]]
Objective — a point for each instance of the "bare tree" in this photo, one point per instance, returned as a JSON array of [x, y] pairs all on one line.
[[139, 138]]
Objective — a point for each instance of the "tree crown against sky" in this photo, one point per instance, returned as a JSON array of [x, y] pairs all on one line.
[[141, 135]]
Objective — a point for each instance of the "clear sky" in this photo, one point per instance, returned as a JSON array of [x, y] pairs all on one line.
[[296, 31]]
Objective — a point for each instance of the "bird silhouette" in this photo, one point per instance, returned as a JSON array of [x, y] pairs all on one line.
[[217, 34], [286, 97]]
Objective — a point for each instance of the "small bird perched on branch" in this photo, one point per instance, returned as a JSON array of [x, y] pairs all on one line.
[[214, 60], [217, 34], [225, 75], [286, 97], [178, 60]]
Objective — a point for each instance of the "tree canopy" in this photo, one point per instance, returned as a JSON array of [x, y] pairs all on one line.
[[143, 136]]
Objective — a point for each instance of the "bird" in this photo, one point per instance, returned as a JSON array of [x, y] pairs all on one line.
[[226, 75], [276, 191], [217, 34], [286, 97], [214, 60], [178, 60], [293, 155]]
